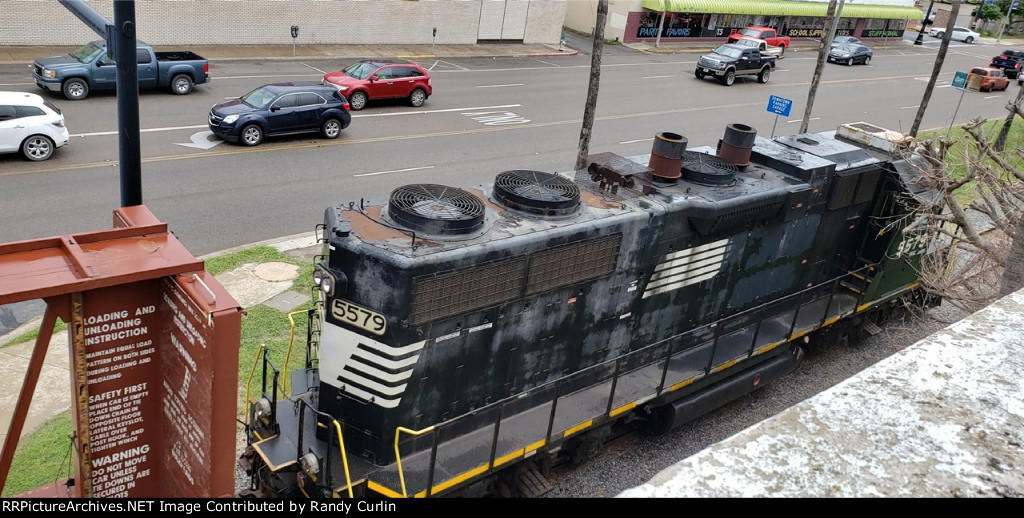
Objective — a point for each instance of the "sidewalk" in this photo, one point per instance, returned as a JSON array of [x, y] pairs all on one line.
[[25, 54], [575, 44]]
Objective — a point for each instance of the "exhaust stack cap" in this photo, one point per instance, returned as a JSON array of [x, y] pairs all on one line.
[[735, 146], [667, 155]]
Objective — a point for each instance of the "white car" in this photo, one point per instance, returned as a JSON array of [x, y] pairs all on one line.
[[31, 125], [959, 34]]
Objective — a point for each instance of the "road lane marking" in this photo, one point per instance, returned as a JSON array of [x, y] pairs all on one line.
[[499, 86], [361, 116], [314, 68], [395, 171], [305, 144]]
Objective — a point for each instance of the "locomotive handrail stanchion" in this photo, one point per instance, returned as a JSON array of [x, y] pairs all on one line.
[[398, 454], [327, 459], [252, 372], [664, 372], [433, 462], [615, 382], [288, 355], [753, 340], [494, 439], [273, 394], [551, 416]]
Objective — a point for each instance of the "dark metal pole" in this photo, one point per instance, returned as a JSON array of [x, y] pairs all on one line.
[[120, 38], [130, 152], [925, 24]]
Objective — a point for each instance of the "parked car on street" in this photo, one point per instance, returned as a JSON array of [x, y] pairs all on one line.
[[90, 67], [367, 80], [31, 125], [841, 40], [760, 32], [987, 79], [850, 54], [281, 109], [959, 34]]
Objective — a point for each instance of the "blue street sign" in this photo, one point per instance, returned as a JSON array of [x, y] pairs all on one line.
[[779, 105], [960, 80]]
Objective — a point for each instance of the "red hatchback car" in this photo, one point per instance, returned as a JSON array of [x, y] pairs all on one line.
[[364, 81]]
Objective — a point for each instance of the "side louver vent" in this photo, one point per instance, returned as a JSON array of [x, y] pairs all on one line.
[[536, 192], [707, 169], [436, 209]]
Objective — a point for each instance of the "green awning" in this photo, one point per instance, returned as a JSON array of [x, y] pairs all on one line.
[[782, 8]]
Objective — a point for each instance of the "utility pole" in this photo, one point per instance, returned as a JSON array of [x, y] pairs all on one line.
[[832, 21], [595, 79], [939, 59]]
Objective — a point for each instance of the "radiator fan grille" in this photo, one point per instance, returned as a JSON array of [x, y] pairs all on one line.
[[537, 192], [436, 209], [707, 169]]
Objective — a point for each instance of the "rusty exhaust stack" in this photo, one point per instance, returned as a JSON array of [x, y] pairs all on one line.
[[735, 146], [667, 155]]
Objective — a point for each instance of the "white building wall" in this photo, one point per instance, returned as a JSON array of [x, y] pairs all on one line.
[[255, 22], [581, 15]]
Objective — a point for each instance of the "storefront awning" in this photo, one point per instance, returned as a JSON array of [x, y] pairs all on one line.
[[782, 8]]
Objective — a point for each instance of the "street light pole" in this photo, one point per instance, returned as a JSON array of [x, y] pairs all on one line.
[[924, 24]]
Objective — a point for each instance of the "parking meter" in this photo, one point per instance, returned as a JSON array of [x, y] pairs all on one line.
[[295, 31]]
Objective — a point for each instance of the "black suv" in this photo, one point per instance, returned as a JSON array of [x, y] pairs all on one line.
[[281, 109]]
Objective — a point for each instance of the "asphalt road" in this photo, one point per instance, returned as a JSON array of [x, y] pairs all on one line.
[[486, 115]]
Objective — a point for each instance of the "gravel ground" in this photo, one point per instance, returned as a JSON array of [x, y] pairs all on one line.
[[633, 460]]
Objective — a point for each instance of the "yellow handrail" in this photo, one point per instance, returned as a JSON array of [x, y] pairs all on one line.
[[288, 355], [398, 456], [344, 457], [259, 354]]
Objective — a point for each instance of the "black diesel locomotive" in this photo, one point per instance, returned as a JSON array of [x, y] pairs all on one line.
[[464, 341]]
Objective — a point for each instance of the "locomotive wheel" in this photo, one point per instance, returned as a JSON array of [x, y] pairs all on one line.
[[586, 446]]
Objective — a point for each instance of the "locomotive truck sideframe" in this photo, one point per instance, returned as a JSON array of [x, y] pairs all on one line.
[[464, 341]]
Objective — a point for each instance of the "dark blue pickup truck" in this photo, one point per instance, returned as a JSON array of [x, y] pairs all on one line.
[[89, 68]]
